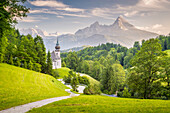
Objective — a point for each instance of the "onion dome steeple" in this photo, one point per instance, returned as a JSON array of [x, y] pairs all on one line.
[[57, 45]]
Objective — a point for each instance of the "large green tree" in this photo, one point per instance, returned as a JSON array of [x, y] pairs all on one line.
[[49, 69], [10, 10], [144, 75]]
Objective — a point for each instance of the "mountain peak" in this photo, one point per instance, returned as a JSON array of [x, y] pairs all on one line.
[[95, 24], [122, 24]]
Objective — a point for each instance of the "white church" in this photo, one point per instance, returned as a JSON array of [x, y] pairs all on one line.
[[55, 56]]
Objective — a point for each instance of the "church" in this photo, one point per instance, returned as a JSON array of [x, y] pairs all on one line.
[[55, 56]]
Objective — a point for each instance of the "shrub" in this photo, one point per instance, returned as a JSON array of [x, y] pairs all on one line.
[[126, 93], [164, 98], [92, 90], [119, 94]]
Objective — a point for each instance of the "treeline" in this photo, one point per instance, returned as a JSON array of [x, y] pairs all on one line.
[[92, 60], [27, 52], [111, 64]]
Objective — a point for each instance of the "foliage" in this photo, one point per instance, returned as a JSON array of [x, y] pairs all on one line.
[[92, 90], [20, 86], [9, 11], [113, 78], [49, 64], [126, 93], [144, 76]]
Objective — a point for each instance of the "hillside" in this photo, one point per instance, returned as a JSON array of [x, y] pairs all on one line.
[[91, 80], [103, 104], [19, 86], [61, 72]]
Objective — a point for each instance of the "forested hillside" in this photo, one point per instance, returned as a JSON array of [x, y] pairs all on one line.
[[112, 64]]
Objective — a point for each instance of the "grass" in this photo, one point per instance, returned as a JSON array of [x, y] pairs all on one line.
[[64, 71], [92, 80], [20, 86], [104, 104]]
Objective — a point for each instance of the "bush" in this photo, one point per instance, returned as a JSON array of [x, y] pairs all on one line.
[[164, 98], [119, 94], [92, 90], [126, 93], [67, 79]]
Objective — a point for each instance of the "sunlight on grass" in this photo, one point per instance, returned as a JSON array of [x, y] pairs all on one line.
[[103, 104], [19, 86]]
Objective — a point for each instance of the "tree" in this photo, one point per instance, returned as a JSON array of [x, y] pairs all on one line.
[[74, 82], [144, 76], [41, 52], [126, 93], [72, 60], [30, 65], [18, 62], [49, 64], [113, 78], [63, 64], [11, 60], [25, 64], [10, 10]]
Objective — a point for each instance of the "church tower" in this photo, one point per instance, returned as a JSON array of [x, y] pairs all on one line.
[[55, 55]]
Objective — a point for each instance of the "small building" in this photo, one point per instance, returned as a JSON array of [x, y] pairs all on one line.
[[55, 56]]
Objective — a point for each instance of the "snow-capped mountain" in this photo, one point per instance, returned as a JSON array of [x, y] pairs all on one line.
[[34, 32], [120, 32]]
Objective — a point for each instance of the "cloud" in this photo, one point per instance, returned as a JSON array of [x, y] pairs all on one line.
[[106, 13], [129, 14], [55, 4], [60, 16], [48, 3], [157, 28], [32, 19], [75, 15]]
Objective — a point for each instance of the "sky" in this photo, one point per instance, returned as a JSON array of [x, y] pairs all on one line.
[[67, 16]]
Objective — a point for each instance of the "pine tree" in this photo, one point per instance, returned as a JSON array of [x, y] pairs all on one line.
[[18, 63], [11, 60], [25, 64], [30, 65], [49, 64]]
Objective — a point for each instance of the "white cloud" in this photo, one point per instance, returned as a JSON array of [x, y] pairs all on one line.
[[60, 16], [33, 19], [157, 28], [55, 4], [48, 3], [75, 15], [129, 14], [106, 13]]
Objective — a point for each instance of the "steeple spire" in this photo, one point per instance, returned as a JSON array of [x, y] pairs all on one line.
[[57, 47], [57, 44]]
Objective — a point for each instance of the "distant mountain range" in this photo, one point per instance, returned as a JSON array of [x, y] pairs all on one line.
[[120, 32]]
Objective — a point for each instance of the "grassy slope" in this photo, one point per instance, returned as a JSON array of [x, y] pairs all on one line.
[[62, 71], [92, 80], [103, 104], [19, 86]]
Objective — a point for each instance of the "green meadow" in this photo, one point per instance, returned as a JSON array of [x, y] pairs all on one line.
[[104, 104], [64, 71], [92, 80], [20, 86]]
